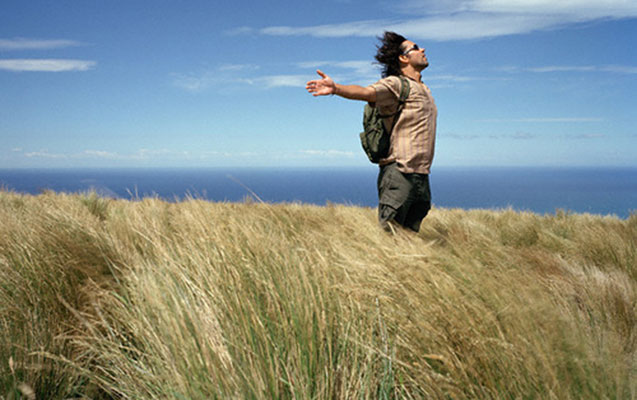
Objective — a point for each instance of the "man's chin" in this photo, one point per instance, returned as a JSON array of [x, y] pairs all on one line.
[[424, 66]]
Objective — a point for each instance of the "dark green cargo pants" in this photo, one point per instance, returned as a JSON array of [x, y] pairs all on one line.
[[402, 198]]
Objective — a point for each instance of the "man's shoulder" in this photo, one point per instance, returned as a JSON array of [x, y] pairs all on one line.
[[390, 84], [391, 80]]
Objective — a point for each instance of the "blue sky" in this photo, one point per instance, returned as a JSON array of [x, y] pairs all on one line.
[[222, 84]]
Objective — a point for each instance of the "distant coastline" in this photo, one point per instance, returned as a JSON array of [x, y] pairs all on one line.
[[543, 190]]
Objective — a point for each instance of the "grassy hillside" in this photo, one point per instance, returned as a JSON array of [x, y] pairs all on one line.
[[196, 300]]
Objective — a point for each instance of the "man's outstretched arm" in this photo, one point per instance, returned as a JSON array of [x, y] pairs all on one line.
[[326, 86]]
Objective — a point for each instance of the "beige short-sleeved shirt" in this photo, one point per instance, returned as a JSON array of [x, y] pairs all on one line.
[[413, 138]]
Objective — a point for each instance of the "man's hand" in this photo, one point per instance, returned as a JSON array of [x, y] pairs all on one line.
[[326, 86], [321, 87]]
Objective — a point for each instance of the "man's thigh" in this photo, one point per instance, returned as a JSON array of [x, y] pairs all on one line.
[[419, 202], [394, 192]]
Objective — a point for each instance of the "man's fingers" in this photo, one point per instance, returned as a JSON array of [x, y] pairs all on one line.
[[315, 83], [311, 85], [317, 87]]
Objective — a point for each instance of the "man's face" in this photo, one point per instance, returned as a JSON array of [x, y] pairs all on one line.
[[415, 55]]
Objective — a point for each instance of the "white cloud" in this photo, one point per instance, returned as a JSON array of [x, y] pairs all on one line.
[[620, 69], [46, 65], [101, 154], [361, 72], [238, 67], [220, 76], [555, 68], [460, 136], [225, 75], [36, 44], [329, 153], [455, 78], [152, 153], [45, 154], [242, 30], [359, 67], [623, 69], [195, 82], [589, 9], [586, 136], [148, 156], [472, 19], [358, 28], [141, 154], [471, 25], [518, 136], [502, 136], [546, 120], [275, 81]]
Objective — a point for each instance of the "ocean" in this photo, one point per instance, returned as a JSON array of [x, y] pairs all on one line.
[[603, 191]]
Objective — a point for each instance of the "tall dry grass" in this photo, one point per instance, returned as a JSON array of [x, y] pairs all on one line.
[[148, 299]]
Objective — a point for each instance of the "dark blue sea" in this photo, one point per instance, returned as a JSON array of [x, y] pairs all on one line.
[[542, 190]]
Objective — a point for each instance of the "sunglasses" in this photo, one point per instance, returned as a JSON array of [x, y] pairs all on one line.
[[412, 48]]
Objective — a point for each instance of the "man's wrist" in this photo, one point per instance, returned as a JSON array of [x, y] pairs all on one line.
[[335, 91]]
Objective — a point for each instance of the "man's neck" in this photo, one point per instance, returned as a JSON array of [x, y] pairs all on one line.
[[411, 73]]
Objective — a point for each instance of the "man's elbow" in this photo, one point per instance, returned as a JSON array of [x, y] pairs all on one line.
[[370, 95]]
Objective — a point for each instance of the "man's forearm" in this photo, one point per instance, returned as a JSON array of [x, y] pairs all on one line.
[[355, 92]]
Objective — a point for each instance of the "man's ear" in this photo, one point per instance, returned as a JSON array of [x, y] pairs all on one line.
[[403, 59]]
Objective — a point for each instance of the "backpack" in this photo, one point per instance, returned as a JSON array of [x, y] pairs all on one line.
[[375, 138]]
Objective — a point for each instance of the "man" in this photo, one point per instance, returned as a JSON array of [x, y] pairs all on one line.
[[403, 181]]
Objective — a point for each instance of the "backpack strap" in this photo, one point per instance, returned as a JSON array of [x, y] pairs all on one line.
[[404, 90], [404, 93]]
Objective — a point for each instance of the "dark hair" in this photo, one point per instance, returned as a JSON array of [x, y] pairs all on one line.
[[388, 52]]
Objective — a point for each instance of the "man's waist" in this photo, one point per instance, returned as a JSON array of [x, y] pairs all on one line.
[[422, 172]]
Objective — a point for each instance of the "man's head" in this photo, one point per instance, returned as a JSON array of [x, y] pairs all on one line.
[[396, 52], [413, 55]]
